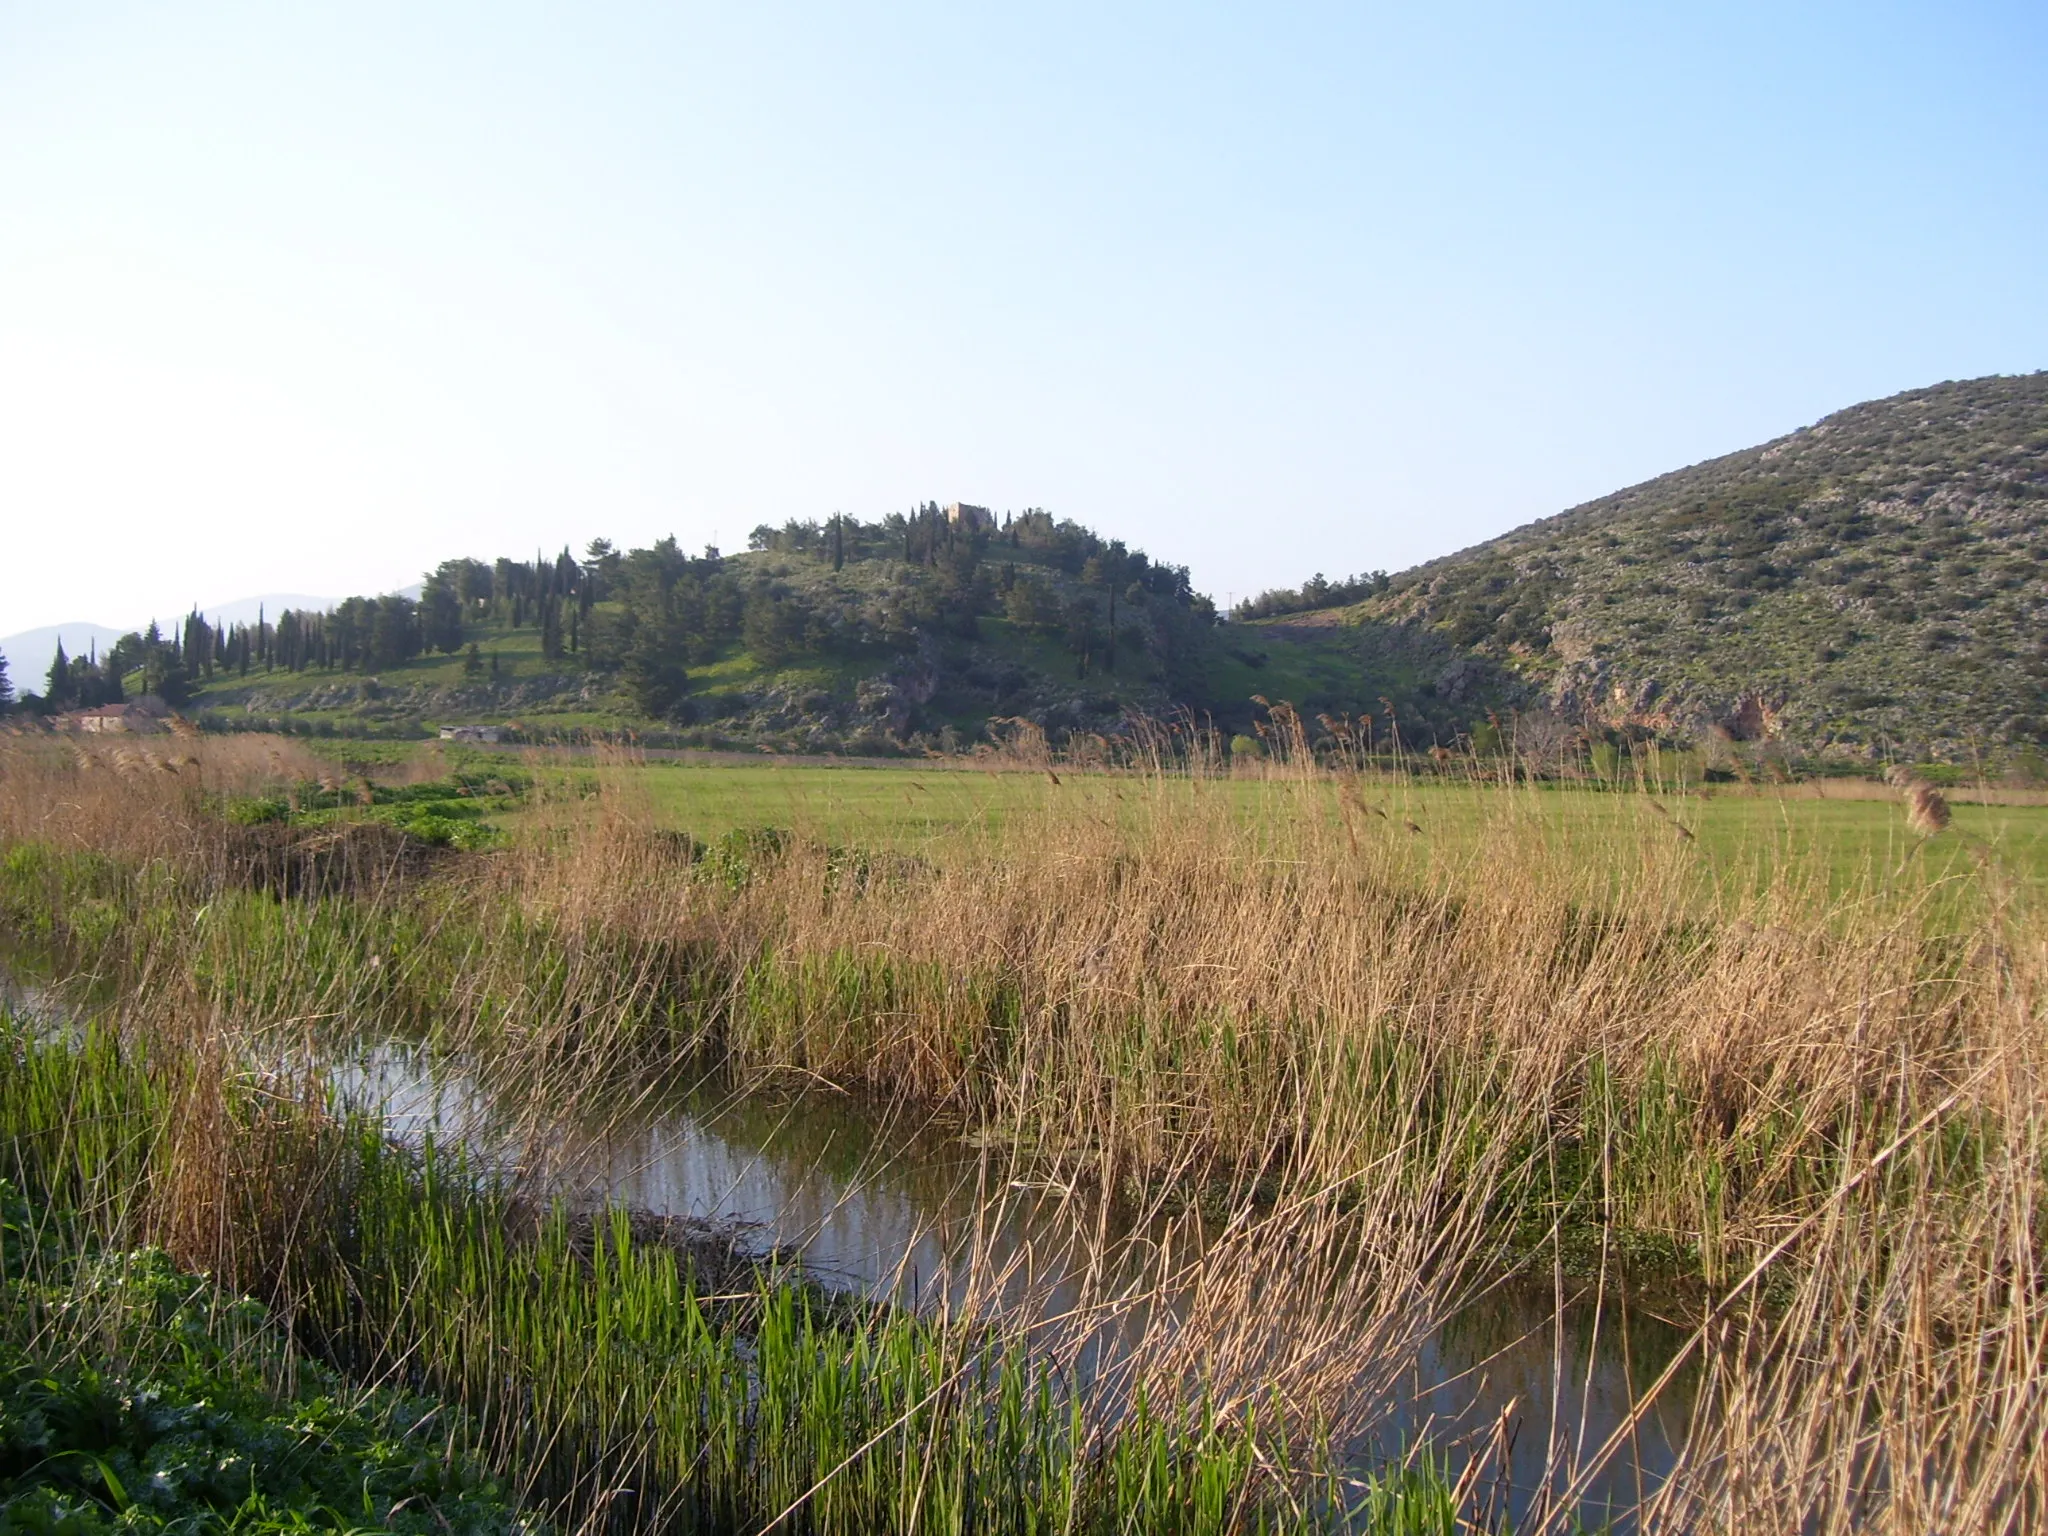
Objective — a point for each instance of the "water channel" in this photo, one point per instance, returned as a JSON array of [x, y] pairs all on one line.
[[865, 1201]]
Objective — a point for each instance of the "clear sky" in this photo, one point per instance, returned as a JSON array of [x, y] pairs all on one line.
[[309, 297]]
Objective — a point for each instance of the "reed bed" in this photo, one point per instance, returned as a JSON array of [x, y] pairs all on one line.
[[1394, 1072], [616, 1388]]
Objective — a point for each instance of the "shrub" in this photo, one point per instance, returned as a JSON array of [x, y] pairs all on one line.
[[740, 854], [257, 810]]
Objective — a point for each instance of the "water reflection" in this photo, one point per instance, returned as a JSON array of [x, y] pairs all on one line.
[[29, 1005], [873, 1201], [1533, 1386]]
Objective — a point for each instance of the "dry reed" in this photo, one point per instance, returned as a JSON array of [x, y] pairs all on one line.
[[1389, 1055]]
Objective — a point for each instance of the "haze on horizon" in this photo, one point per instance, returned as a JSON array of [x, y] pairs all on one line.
[[310, 300]]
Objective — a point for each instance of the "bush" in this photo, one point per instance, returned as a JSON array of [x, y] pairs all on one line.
[[254, 812], [2028, 770], [736, 857], [1246, 746]]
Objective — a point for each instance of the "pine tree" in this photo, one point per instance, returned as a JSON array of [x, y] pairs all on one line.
[[6, 687]]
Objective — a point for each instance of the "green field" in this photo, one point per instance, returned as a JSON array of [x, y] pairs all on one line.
[[1739, 837]]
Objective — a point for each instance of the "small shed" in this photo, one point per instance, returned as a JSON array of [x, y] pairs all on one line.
[[110, 719]]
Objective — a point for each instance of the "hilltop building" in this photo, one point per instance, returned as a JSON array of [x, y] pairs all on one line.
[[961, 515]]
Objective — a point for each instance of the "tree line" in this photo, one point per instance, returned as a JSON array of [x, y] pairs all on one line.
[[1317, 592], [649, 615], [149, 661]]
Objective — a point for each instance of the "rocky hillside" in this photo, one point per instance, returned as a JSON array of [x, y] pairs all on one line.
[[1878, 577]]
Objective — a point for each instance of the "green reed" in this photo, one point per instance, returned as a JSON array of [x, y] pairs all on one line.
[[604, 1379]]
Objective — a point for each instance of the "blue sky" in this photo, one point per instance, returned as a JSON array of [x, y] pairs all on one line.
[[310, 297]]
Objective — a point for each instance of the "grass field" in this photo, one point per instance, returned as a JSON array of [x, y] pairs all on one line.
[[1741, 839]]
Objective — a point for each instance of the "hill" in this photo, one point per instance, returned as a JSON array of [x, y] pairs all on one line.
[[1870, 585], [913, 631], [1880, 577]]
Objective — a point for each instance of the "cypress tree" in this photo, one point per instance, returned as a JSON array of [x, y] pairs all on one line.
[[550, 628], [57, 689], [109, 687]]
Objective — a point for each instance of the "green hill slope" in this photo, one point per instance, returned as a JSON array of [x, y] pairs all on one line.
[[1879, 577], [915, 631]]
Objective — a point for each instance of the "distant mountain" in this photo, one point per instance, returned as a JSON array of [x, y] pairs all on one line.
[[1880, 576]]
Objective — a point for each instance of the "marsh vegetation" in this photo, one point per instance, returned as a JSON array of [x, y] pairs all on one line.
[[1316, 1151]]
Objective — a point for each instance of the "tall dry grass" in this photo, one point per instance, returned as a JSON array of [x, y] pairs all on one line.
[[1156, 980], [1404, 1069], [142, 797], [1835, 1105]]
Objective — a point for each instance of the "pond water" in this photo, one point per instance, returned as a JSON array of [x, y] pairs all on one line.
[[29, 1004], [868, 1200]]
